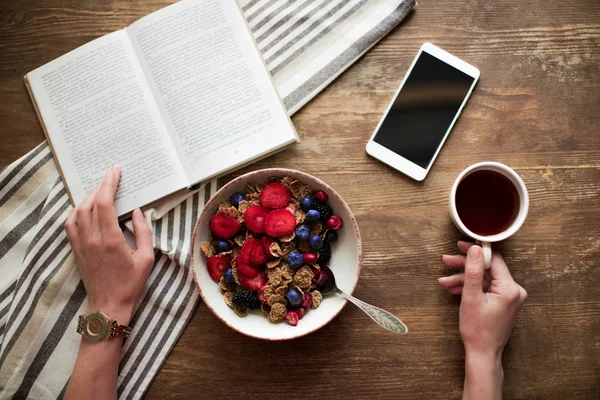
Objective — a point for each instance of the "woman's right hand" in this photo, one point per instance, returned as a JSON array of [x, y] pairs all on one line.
[[488, 310]]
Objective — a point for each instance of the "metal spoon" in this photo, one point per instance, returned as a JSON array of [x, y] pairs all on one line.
[[382, 317]]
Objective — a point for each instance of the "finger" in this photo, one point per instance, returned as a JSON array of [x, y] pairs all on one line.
[[450, 281], [464, 246], [106, 213], [84, 212], [456, 289], [459, 280], [498, 269], [71, 228], [474, 272], [454, 261], [143, 238]]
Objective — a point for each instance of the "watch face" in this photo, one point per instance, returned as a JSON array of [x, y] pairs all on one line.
[[95, 327]]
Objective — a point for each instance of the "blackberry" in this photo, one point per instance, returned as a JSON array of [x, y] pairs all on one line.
[[331, 236], [325, 252], [241, 298], [323, 209], [253, 302]]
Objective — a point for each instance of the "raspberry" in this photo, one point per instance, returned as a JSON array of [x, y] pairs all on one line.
[[321, 196], [307, 301], [301, 312], [291, 318], [309, 258], [334, 222]]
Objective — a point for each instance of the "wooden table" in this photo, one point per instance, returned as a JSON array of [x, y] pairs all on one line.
[[536, 108]]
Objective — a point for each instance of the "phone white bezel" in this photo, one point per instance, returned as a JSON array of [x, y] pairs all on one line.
[[398, 162]]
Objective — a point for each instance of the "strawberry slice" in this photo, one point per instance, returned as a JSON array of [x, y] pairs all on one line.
[[246, 251], [247, 269], [258, 255], [275, 195], [253, 284], [254, 217], [280, 223], [266, 244], [223, 226], [217, 265]]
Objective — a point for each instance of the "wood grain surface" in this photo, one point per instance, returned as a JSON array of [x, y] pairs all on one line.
[[536, 108]]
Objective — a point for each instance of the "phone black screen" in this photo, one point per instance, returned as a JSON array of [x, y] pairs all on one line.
[[424, 109]]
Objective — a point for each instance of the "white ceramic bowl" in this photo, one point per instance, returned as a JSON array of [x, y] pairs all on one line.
[[345, 263]]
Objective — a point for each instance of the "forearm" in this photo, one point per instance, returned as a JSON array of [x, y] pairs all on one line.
[[96, 368], [483, 377]]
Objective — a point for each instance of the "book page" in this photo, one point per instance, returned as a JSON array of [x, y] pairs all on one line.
[[211, 85], [98, 111]]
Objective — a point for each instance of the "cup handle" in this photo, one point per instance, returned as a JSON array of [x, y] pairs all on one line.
[[487, 254]]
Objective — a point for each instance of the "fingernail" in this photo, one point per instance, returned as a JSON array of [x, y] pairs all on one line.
[[115, 169], [474, 253], [138, 212], [442, 278]]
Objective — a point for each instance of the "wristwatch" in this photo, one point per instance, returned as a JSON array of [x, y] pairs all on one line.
[[98, 326]]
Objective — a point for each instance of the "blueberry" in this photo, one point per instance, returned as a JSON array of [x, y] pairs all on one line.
[[306, 203], [221, 246], [294, 297], [236, 198], [315, 242], [331, 236], [295, 259], [303, 232], [313, 215], [229, 276]]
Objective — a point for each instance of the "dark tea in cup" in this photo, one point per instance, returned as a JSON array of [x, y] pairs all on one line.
[[487, 202]]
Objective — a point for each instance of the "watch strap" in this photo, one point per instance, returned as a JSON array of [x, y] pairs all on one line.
[[119, 330]]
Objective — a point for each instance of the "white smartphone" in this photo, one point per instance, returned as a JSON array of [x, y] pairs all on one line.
[[423, 111]]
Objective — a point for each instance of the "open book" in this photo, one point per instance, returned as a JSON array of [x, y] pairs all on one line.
[[179, 97]]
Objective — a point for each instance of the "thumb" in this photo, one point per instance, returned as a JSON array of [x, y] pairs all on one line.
[[474, 269], [143, 237]]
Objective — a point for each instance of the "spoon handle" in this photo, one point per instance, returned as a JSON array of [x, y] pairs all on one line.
[[382, 317]]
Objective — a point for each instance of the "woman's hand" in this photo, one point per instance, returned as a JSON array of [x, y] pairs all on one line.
[[489, 306], [113, 274], [114, 277]]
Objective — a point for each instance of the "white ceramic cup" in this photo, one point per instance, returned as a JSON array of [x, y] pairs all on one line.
[[486, 241]]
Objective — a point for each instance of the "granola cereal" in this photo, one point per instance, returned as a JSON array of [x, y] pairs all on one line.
[[226, 286], [277, 313], [241, 311], [316, 298], [268, 257], [208, 249], [228, 296], [274, 276], [228, 210]]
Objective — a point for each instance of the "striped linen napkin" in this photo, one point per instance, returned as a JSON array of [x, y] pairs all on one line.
[[306, 44]]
